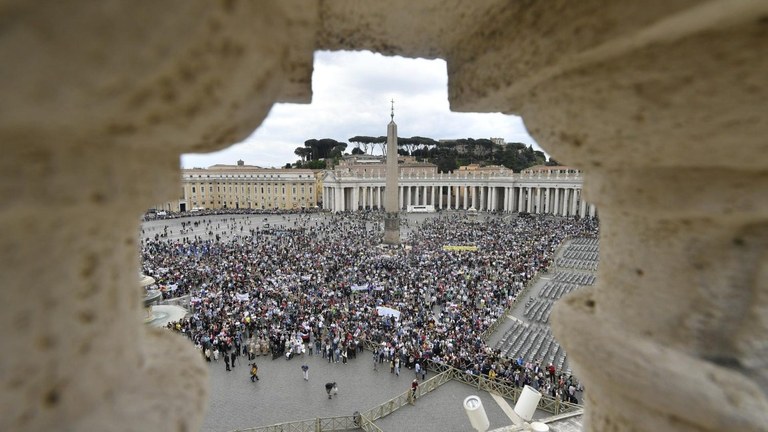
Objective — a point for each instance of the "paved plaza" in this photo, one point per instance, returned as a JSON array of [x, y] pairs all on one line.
[[282, 395]]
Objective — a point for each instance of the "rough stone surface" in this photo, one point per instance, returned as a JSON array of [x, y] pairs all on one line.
[[660, 103]]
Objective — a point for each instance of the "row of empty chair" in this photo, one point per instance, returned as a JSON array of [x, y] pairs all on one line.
[[582, 255], [539, 310], [584, 248], [577, 264], [585, 241], [532, 343], [556, 289], [575, 278]]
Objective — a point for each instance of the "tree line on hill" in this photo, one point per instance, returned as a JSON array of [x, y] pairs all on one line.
[[448, 155]]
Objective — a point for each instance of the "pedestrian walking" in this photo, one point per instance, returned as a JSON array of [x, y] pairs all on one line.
[[305, 370], [414, 390], [254, 372], [331, 389]]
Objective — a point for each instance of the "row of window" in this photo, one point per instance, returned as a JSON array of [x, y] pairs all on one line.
[[242, 189], [248, 176]]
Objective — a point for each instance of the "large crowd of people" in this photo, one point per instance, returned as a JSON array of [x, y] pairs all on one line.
[[324, 284]]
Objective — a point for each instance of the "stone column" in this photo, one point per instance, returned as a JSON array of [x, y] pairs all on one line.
[[529, 199], [556, 209], [408, 197], [324, 195], [576, 194], [432, 195]]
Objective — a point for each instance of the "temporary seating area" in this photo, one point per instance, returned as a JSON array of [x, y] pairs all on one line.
[[582, 254], [531, 337]]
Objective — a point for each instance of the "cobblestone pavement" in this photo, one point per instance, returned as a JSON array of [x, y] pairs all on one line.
[[282, 395]]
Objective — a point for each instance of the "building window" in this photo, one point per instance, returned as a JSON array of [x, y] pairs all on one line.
[[193, 189]]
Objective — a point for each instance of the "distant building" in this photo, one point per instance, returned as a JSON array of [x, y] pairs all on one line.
[[477, 168], [244, 186], [550, 170], [358, 183]]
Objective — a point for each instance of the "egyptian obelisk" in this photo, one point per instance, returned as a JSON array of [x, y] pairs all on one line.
[[391, 207]]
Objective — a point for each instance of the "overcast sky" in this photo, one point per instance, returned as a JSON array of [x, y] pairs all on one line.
[[351, 96]]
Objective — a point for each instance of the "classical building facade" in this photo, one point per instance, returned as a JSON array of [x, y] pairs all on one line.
[[248, 187], [660, 104], [552, 190]]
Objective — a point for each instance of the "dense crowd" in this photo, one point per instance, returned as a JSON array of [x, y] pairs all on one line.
[[322, 284]]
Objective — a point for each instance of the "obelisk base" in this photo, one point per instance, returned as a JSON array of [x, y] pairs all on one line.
[[391, 229]]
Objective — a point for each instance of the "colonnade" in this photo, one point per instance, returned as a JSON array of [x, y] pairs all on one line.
[[560, 200]]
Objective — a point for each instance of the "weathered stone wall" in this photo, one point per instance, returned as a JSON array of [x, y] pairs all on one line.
[[661, 103]]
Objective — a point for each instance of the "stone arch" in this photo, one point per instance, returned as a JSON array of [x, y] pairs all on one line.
[[651, 99]]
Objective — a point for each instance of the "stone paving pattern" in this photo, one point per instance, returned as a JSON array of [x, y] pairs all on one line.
[[282, 395]]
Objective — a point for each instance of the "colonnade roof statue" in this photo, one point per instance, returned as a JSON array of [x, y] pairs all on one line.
[[391, 207], [660, 103]]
